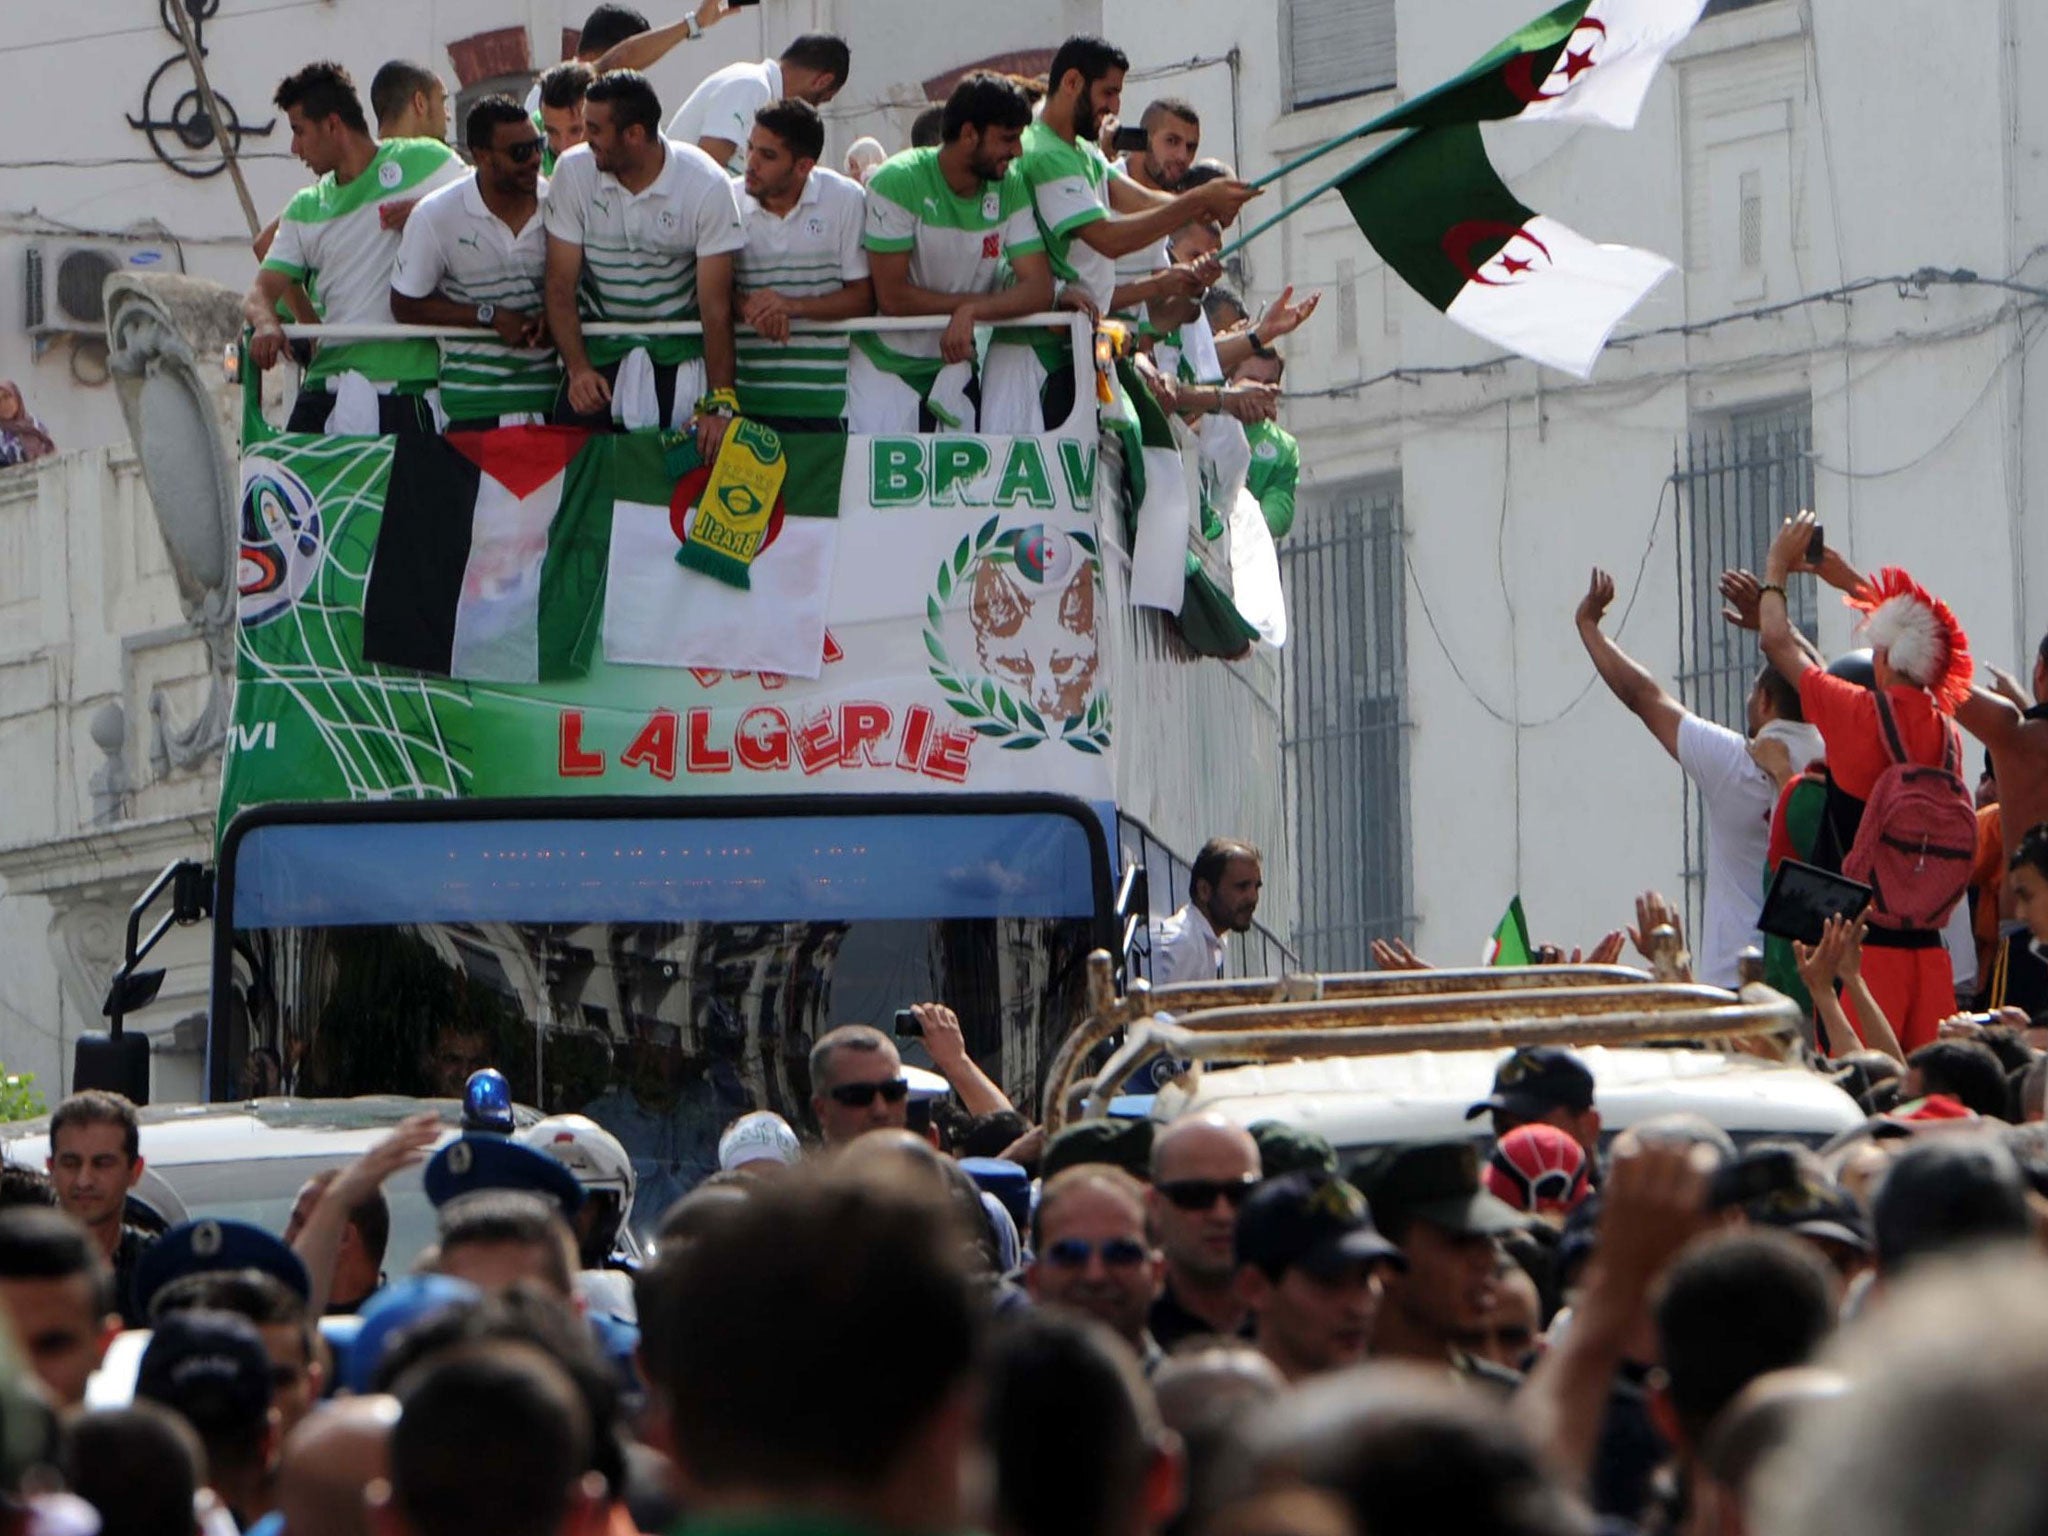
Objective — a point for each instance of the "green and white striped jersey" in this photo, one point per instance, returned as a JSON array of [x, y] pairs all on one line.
[[332, 241], [456, 246], [1069, 191], [640, 249], [956, 244], [815, 250]]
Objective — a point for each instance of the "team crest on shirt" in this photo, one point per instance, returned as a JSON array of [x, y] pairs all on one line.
[[666, 220], [390, 174], [814, 226], [991, 207], [1266, 450]]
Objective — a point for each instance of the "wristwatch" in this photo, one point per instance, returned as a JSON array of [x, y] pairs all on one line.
[[693, 26], [1259, 348], [487, 314]]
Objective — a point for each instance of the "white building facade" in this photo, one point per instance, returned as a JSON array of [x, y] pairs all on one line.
[[1447, 746]]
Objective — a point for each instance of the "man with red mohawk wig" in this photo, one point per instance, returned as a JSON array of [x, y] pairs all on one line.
[[1922, 660]]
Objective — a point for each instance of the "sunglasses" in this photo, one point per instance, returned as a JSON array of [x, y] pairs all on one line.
[[1117, 1253], [1202, 1194], [861, 1095], [521, 152]]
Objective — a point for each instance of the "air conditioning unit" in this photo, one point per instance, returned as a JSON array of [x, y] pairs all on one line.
[[66, 279]]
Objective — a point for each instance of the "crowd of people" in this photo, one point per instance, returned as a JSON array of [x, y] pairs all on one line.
[[588, 210]]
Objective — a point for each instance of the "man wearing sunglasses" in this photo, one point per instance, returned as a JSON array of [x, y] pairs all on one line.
[[474, 255], [857, 1084], [1092, 1254], [1203, 1168]]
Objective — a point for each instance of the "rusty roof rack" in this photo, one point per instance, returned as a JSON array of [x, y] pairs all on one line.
[[1383, 1012]]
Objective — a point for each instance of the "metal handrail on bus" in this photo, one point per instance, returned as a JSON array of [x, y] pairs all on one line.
[[1376, 1014]]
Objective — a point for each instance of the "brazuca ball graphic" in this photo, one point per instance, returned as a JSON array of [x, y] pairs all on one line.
[[282, 540]]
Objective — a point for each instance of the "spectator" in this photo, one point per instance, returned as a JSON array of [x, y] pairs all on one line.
[[1965, 1070], [928, 128], [1762, 1417], [1921, 664], [341, 247], [474, 255], [58, 1291], [806, 1280], [1203, 1168], [1946, 1192], [498, 1238], [558, 112], [1734, 1307], [718, 116], [857, 1084], [1076, 1441], [641, 229], [760, 1143], [599, 1163], [298, 1371], [939, 1028], [862, 156], [1093, 1255], [1540, 1170], [211, 1369], [95, 1159], [139, 1467], [803, 260], [23, 438], [1516, 1330], [1223, 897], [1429, 1201], [1276, 456], [2016, 741], [329, 1460], [501, 1406], [411, 102], [1310, 1269], [1543, 1085], [1206, 1392], [1736, 790], [25, 1186], [949, 232], [340, 1225]]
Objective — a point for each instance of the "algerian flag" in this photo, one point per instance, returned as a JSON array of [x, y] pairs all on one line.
[[1588, 61], [489, 561], [1510, 942], [1434, 208], [660, 613]]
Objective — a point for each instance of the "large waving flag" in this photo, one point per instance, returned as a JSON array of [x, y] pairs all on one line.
[[1439, 214], [1588, 61], [659, 612], [490, 555]]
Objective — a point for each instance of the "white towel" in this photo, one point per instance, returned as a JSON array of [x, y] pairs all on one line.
[[355, 411], [1801, 740], [1255, 570], [949, 401], [635, 404]]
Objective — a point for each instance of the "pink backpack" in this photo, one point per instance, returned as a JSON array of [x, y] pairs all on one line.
[[1918, 837]]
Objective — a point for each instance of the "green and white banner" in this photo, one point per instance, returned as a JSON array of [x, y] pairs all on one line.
[[960, 627]]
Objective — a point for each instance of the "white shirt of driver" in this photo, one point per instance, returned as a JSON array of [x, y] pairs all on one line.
[[723, 107], [1186, 948]]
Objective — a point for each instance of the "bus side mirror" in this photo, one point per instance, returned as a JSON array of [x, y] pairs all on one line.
[[113, 1063]]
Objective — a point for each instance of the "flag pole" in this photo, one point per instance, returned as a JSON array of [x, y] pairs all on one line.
[[1310, 196], [1309, 157]]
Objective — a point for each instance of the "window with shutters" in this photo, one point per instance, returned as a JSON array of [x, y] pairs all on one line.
[[1336, 48]]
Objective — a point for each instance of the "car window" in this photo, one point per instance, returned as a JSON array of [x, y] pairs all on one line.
[[262, 1192]]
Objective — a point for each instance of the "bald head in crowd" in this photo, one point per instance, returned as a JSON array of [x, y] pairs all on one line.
[[1202, 1168], [336, 1452]]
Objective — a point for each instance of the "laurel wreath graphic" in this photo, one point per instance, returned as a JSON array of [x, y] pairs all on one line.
[[990, 707]]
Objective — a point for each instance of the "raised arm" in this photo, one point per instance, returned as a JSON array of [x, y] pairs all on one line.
[[1122, 234], [1282, 318], [1627, 679], [644, 51], [948, 1047], [1782, 645]]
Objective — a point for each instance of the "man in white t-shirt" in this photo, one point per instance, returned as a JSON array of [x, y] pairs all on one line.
[[803, 261], [1737, 792], [641, 230], [1173, 138], [718, 116]]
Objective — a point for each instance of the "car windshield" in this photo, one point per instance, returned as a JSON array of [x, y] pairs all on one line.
[[661, 978]]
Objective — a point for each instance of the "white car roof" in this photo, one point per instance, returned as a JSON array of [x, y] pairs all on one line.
[[1365, 1101]]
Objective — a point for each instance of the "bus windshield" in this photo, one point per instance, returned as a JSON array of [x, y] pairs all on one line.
[[660, 975]]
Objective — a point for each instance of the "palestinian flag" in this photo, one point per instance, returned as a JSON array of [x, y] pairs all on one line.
[[1510, 942], [1437, 212], [1588, 61], [660, 612], [490, 555]]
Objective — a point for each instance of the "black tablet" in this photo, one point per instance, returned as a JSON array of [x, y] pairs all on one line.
[[1803, 898]]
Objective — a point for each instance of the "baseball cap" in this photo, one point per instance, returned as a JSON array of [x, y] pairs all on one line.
[[1285, 1148], [471, 1163], [1535, 1080], [762, 1136], [213, 1245], [1538, 1168], [210, 1367], [1307, 1221], [1437, 1182], [396, 1307], [1125, 1144], [1813, 1208]]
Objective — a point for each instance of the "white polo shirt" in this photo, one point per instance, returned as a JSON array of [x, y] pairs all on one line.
[[723, 107], [812, 251], [1186, 948], [640, 249], [455, 245]]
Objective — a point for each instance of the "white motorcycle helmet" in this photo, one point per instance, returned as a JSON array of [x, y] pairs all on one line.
[[599, 1161]]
